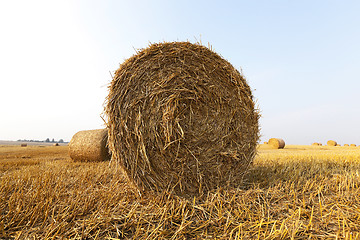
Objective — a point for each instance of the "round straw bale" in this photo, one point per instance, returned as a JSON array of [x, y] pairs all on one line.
[[352, 145], [89, 146], [315, 144], [331, 143], [23, 145], [181, 119], [346, 145], [56, 144], [277, 143]]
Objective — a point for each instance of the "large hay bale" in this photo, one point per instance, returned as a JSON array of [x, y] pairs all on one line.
[[315, 144], [182, 119], [331, 143], [352, 145], [23, 145], [277, 143], [346, 145], [89, 146]]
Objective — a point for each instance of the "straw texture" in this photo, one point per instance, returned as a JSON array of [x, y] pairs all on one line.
[[332, 143], [181, 119], [277, 143], [89, 146]]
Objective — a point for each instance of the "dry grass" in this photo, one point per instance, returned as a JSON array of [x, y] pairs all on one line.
[[277, 143], [300, 192], [181, 118], [316, 144], [90, 146], [332, 143]]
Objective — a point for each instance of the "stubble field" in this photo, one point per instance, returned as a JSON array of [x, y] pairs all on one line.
[[300, 192]]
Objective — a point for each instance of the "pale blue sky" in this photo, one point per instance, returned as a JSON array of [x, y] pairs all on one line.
[[301, 58]]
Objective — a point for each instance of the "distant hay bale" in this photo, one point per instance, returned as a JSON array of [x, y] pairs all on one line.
[[346, 145], [56, 144], [352, 145], [265, 142], [277, 143], [331, 143], [181, 118], [316, 144], [89, 146], [23, 145]]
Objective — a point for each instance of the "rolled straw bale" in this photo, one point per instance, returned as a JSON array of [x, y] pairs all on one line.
[[181, 118], [277, 143], [331, 143], [56, 144], [23, 145], [352, 145], [265, 142], [89, 146], [346, 145]]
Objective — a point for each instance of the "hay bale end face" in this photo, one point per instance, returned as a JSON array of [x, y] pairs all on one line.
[[277, 143], [182, 119], [331, 143], [89, 146]]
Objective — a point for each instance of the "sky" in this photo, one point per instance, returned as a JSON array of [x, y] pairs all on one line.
[[301, 59]]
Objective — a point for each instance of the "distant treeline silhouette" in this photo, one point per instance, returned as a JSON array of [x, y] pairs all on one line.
[[46, 140]]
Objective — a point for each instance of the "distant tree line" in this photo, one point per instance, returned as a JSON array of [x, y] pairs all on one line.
[[46, 140]]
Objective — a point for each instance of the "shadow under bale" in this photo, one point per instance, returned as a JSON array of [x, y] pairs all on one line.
[[181, 119]]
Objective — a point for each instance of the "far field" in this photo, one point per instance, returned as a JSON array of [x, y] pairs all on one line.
[[300, 192]]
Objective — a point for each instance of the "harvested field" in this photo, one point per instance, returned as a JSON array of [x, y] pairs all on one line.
[[300, 192]]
